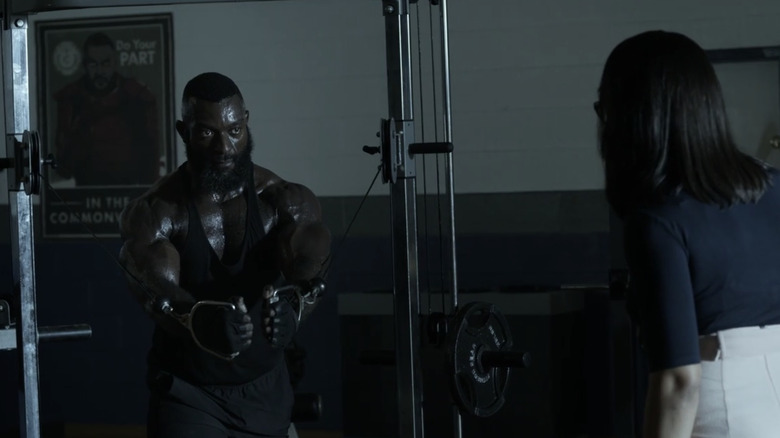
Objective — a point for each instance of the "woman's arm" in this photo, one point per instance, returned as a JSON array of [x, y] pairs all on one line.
[[662, 290], [672, 401]]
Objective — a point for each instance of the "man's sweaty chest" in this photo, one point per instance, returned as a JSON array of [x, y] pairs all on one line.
[[225, 224]]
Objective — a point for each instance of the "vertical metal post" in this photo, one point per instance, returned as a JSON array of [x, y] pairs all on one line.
[[450, 183], [406, 309], [404, 214], [399, 64], [449, 170], [17, 120], [27, 328]]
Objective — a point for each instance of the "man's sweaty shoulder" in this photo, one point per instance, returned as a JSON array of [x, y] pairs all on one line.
[[161, 212], [289, 199]]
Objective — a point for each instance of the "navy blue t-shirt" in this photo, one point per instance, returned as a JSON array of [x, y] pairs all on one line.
[[698, 268]]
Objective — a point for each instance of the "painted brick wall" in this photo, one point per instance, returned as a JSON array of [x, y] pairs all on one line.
[[524, 75]]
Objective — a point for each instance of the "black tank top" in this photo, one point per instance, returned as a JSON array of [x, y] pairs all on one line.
[[207, 277]]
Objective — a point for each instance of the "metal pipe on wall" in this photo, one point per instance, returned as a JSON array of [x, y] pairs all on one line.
[[17, 121]]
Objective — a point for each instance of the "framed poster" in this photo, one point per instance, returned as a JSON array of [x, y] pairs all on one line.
[[106, 114]]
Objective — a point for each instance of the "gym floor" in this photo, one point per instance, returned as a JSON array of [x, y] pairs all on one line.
[[71, 430], [139, 431]]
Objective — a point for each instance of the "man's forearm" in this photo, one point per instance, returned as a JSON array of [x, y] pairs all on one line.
[[304, 250], [151, 298], [304, 269]]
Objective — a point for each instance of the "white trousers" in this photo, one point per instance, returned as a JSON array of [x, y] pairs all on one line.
[[739, 395]]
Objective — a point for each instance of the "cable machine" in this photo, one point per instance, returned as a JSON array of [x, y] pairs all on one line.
[[474, 339]]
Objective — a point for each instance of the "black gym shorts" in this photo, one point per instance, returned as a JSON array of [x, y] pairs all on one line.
[[261, 408]]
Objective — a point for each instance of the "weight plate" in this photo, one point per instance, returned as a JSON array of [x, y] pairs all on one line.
[[32, 142], [478, 327]]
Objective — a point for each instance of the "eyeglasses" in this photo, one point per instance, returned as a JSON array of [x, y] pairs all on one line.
[[599, 111]]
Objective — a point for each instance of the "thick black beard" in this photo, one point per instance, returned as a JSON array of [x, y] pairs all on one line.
[[214, 180]]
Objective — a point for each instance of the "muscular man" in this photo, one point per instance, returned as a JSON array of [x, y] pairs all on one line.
[[107, 126], [220, 228]]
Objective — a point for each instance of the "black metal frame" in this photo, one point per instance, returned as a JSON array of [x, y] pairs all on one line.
[[744, 54]]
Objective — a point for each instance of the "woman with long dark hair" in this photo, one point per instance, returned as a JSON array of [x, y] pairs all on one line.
[[702, 241]]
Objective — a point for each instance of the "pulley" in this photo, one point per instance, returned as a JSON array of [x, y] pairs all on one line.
[[31, 145], [27, 163]]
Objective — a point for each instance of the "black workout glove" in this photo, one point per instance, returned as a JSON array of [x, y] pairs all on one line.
[[280, 322], [222, 330]]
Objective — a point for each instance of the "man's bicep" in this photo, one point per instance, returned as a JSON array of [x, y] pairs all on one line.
[[147, 248], [309, 231], [305, 240], [291, 203], [155, 261]]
